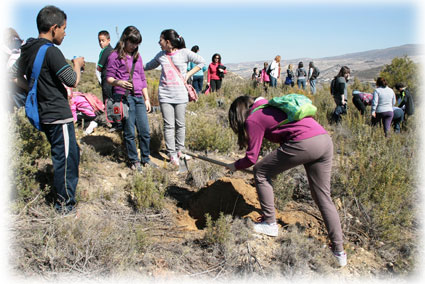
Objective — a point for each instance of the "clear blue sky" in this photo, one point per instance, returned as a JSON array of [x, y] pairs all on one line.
[[241, 32]]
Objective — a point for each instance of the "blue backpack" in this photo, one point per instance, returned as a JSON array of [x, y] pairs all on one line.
[[295, 106], [31, 103]]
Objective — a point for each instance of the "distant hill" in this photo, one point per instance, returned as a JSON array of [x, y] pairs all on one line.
[[364, 65]]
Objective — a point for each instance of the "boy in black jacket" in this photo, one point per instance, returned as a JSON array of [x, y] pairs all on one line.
[[54, 111]]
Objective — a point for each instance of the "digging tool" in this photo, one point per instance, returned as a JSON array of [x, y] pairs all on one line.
[[217, 162]]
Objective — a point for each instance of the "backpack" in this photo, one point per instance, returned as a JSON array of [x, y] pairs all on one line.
[[31, 103], [295, 106], [95, 102], [410, 107], [316, 73], [332, 89]]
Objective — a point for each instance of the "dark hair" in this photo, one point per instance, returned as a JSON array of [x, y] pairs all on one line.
[[132, 34], [344, 70], [399, 86], [175, 39], [238, 113], [195, 48], [311, 64], [219, 57], [104, 33], [381, 82], [300, 64], [48, 17]]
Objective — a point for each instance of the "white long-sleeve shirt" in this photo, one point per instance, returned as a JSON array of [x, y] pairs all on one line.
[[383, 100]]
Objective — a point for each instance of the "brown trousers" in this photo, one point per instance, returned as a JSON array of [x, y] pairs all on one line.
[[316, 155]]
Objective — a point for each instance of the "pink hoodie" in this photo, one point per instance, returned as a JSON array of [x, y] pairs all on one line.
[[80, 104]]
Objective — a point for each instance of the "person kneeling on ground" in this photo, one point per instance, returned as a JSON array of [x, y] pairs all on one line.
[[304, 142], [82, 111]]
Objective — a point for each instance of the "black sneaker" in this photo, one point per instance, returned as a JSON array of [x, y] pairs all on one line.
[[150, 164]]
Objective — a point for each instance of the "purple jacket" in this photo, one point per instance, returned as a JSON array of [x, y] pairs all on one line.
[[261, 124], [120, 70]]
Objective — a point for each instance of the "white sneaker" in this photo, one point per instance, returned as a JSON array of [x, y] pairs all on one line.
[[91, 127], [341, 258], [174, 161], [183, 156], [267, 229]]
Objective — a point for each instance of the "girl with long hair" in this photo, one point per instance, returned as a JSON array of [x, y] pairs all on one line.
[[173, 96], [132, 88], [304, 142]]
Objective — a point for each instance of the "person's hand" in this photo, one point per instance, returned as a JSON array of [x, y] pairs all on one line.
[[374, 114], [79, 62], [231, 167], [148, 105], [124, 84]]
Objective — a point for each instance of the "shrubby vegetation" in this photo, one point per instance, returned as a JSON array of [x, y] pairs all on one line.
[[374, 180]]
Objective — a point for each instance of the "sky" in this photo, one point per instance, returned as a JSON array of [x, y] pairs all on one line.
[[242, 31]]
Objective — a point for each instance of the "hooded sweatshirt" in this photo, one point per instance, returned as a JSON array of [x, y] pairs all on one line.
[[53, 106]]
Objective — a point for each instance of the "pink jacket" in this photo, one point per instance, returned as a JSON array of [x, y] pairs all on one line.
[[264, 76], [80, 104]]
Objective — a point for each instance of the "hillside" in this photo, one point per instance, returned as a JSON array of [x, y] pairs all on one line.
[[363, 64], [167, 224]]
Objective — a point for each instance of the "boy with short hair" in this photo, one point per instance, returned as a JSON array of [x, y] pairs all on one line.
[[54, 111], [105, 44]]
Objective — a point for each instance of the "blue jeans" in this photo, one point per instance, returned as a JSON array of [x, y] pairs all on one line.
[[273, 81], [65, 158], [137, 116], [197, 83], [301, 82], [398, 119], [313, 86]]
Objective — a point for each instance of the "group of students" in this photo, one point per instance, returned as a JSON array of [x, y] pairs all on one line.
[[386, 107], [270, 75], [303, 142]]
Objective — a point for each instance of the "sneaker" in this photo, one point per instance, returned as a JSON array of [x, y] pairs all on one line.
[[183, 156], [150, 164], [267, 229], [91, 127], [341, 258], [136, 167], [174, 161]]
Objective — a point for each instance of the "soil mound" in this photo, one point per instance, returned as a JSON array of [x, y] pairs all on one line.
[[235, 197]]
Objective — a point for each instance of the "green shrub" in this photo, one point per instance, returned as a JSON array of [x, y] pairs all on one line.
[[218, 232], [28, 146], [207, 133], [147, 190]]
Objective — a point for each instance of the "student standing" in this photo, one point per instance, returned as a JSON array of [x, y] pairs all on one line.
[[215, 73], [382, 105], [198, 77], [301, 75], [132, 88], [265, 78], [275, 71], [304, 142], [54, 111], [173, 95], [339, 93], [105, 44]]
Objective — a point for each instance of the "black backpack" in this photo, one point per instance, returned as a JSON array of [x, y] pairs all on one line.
[[316, 73], [410, 107], [332, 89]]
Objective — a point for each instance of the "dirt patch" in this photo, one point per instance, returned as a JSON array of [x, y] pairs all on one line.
[[235, 197]]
